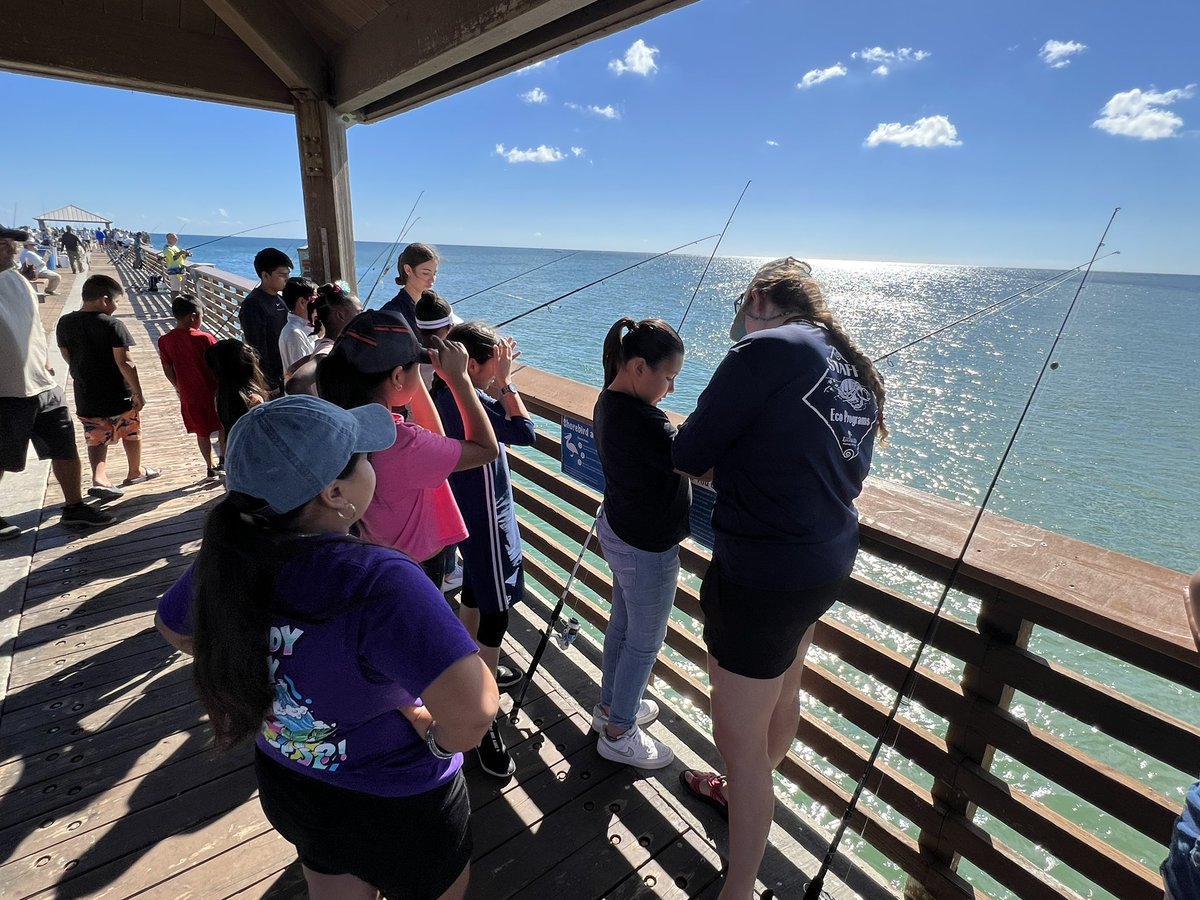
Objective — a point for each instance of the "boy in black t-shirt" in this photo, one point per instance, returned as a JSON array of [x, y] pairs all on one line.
[[263, 313], [108, 393]]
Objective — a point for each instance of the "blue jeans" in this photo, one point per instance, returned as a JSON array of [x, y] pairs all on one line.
[[1181, 869], [642, 597]]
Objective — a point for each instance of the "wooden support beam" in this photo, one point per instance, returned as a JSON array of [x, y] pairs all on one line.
[[325, 178], [272, 31], [85, 44]]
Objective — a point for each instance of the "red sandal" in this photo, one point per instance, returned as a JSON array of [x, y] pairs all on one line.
[[713, 783]]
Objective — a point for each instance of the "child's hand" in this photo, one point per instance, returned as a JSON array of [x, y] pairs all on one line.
[[506, 352], [449, 359]]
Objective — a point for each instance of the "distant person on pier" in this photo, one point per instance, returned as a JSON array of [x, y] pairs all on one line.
[[493, 558], [175, 262], [787, 425], [263, 313], [140, 241], [1181, 869], [108, 391], [33, 262], [74, 246], [644, 517], [344, 663], [101, 237], [296, 339], [418, 266], [32, 405], [181, 351]]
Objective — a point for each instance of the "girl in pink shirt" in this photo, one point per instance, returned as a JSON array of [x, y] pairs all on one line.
[[376, 360]]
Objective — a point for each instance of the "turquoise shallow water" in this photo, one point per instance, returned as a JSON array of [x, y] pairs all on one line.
[[1106, 455]]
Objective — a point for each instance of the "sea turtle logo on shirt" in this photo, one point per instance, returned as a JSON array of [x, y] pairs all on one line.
[[843, 403]]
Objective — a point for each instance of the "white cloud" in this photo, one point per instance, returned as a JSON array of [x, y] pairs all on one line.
[[577, 151], [538, 154], [608, 112], [881, 70], [1057, 54], [537, 95], [771, 143], [931, 131], [639, 59], [816, 76], [899, 55], [1140, 114], [221, 212]]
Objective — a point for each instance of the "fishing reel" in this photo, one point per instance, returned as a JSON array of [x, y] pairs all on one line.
[[565, 632]]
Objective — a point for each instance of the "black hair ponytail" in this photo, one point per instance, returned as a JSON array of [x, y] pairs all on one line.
[[650, 339]]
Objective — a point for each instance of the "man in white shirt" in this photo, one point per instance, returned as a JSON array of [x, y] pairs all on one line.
[[296, 340], [32, 405], [30, 257]]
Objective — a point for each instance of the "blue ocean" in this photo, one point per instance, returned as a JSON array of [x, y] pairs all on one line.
[[1106, 454]]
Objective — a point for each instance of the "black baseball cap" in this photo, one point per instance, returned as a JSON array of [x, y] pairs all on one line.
[[378, 341]]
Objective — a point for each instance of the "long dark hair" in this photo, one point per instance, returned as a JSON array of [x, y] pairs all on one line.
[[240, 558], [330, 296], [239, 375], [650, 339], [344, 385]]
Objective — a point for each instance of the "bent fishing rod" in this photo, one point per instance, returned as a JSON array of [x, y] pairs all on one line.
[[553, 620], [399, 237], [628, 268], [908, 686], [992, 306], [515, 277], [236, 233]]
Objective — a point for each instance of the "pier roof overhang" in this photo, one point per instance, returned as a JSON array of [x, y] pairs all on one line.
[[72, 214], [368, 59]]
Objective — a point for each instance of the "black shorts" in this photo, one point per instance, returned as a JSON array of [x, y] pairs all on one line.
[[411, 848], [756, 632], [43, 419]]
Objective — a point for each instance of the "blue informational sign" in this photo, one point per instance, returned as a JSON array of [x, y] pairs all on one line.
[[703, 499], [580, 459]]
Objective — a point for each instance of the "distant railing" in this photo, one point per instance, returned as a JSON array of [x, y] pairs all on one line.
[[221, 292], [937, 779]]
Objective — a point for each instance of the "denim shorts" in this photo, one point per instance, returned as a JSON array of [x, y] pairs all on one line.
[[1181, 869]]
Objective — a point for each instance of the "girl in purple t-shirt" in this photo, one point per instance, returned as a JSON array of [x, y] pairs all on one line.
[[319, 643]]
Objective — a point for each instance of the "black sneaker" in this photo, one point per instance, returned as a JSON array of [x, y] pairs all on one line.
[[106, 492], [494, 757], [80, 515], [8, 530], [508, 678]]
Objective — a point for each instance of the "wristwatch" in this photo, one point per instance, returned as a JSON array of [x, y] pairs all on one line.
[[508, 389]]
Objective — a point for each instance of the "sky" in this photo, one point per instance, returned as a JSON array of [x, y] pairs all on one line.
[[924, 131]]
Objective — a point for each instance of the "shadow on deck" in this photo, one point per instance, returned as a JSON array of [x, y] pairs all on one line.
[[109, 788]]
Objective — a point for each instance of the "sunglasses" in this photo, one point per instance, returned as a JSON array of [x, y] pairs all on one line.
[[802, 268]]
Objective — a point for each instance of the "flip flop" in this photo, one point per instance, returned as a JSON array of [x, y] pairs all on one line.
[[711, 780], [147, 474]]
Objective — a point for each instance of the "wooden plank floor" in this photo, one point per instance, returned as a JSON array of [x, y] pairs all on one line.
[[109, 788]]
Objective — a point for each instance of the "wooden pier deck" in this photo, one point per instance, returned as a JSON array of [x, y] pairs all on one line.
[[108, 783]]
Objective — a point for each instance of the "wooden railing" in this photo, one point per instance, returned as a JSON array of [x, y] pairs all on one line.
[[937, 779]]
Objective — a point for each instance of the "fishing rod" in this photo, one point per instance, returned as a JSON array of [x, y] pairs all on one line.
[[813, 891], [515, 277], [570, 629], [716, 246], [235, 234], [399, 237], [990, 307], [600, 280]]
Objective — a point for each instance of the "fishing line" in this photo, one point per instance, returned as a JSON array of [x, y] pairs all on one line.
[[399, 237], [236, 233], [908, 686], [716, 246], [601, 280], [515, 277]]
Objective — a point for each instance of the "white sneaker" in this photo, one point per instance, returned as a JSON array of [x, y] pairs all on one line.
[[452, 581], [635, 748], [647, 713]]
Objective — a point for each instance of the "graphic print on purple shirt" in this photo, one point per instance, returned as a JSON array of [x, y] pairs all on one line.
[[842, 399]]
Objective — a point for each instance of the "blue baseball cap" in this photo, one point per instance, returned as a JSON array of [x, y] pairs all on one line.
[[287, 451]]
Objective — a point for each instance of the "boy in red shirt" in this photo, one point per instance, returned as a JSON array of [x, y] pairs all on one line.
[[182, 352]]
